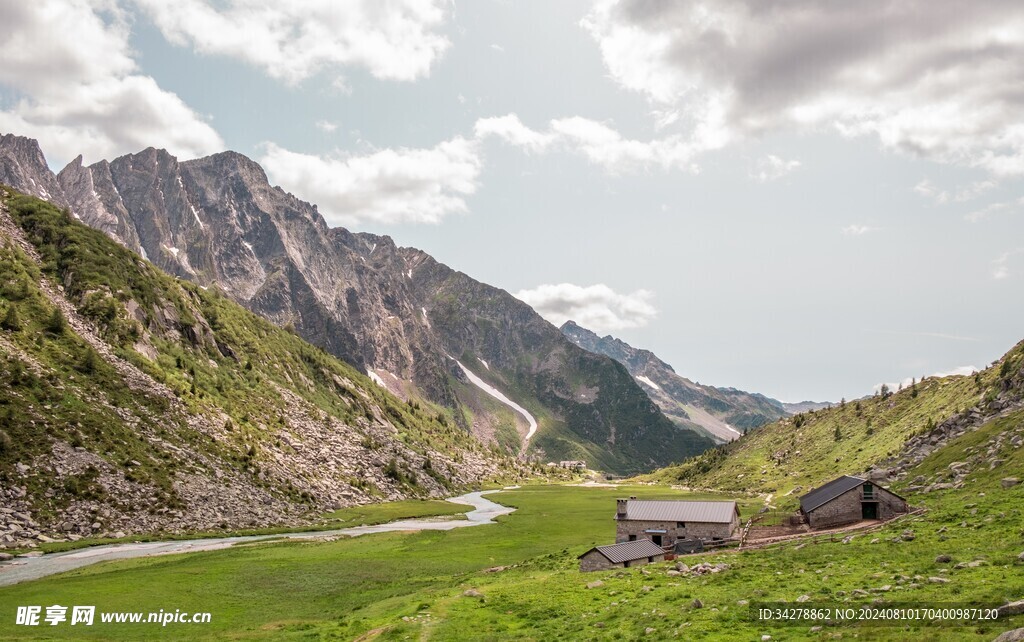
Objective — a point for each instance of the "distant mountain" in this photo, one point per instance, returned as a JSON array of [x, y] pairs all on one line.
[[724, 413], [804, 406], [411, 323], [133, 401]]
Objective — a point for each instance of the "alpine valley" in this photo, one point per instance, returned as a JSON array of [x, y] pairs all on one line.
[[186, 350]]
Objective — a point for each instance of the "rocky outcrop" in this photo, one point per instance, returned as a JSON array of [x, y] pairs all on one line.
[[1007, 399], [724, 413]]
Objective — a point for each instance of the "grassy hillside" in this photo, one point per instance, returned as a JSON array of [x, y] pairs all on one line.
[[800, 452], [126, 390]]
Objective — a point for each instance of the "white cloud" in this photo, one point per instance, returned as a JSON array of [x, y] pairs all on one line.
[[512, 130], [993, 208], [858, 230], [596, 307], [941, 196], [326, 126], [931, 191], [597, 142], [292, 41], [937, 79], [962, 371], [386, 186], [1002, 265], [77, 88], [772, 168]]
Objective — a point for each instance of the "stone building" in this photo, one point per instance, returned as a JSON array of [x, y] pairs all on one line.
[[849, 499], [624, 555], [665, 522]]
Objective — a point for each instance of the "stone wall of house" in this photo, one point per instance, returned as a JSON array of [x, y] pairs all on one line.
[[691, 530], [846, 508], [841, 510], [889, 505], [594, 561]]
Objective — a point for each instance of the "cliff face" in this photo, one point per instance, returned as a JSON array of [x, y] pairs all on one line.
[[392, 312]]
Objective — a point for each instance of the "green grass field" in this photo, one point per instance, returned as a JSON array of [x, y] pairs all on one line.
[[412, 585]]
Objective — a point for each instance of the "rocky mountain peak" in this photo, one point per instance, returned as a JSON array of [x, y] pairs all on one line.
[[23, 167]]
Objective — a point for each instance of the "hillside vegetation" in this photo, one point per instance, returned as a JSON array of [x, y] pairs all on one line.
[[131, 400], [795, 454]]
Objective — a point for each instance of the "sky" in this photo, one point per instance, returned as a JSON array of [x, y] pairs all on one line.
[[800, 198]]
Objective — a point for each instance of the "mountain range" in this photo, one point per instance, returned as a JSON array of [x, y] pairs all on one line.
[[422, 330], [722, 413]]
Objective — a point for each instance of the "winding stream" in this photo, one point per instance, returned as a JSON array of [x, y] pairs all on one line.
[[22, 569]]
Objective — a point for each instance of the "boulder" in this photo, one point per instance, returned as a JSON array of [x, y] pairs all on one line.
[[697, 604], [1011, 608], [943, 559], [803, 598], [1016, 635], [595, 584], [1009, 482], [938, 580], [4, 557], [472, 593]]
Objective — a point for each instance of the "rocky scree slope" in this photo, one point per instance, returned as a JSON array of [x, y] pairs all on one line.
[[217, 221], [132, 401], [722, 413]]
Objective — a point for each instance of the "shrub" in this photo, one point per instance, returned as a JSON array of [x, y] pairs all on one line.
[[11, 321]]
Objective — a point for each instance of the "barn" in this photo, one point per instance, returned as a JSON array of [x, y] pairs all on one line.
[[666, 522], [849, 499], [623, 555]]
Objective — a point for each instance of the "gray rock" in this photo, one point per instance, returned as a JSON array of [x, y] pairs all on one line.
[[1016, 635], [697, 604], [6, 557], [472, 593], [1009, 482], [943, 559], [595, 584], [1011, 608], [938, 580]]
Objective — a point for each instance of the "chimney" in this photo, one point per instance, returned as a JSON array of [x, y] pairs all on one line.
[[620, 512]]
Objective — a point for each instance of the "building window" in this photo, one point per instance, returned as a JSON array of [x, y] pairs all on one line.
[[632, 538], [680, 524], [869, 491]]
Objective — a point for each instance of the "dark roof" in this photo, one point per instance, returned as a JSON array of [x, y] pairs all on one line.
[[680, 511], [629, 551], [828, 492]]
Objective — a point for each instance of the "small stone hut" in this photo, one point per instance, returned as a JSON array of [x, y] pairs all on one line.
[[849, 499], [665, 522], [624, 555]]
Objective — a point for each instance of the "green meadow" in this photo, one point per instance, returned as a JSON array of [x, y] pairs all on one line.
[[400, 586]]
